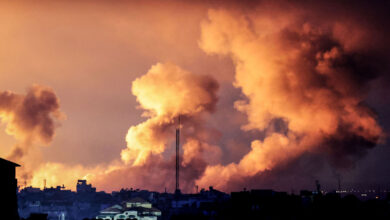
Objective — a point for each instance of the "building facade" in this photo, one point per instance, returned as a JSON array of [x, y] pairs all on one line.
[[136, 208], [8, 189]]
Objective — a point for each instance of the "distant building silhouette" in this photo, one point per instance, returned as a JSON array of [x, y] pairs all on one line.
[[83, 187], [8, 189]]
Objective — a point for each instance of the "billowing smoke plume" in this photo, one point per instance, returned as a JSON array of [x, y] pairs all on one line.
[[308, 76], [31, 119], [166, 92], [304, 77]]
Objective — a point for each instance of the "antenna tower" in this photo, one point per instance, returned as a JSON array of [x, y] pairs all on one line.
[[177, 188]]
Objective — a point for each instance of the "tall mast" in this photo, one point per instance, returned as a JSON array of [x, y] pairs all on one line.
[[177, 189]]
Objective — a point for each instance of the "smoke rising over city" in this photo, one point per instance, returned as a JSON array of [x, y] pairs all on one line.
[[265, 90], [31, 119], [311, 79]]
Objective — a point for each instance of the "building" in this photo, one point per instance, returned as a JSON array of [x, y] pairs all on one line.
[[195, 200], [8, 189], [136, 208], [83, 187]]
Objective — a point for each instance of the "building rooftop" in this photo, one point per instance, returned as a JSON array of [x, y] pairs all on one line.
[[112, 209], [137, 200], [142, 209], [8, 163]]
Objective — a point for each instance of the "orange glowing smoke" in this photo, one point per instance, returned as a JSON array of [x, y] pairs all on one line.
[[292, 66], [31, 119], [166, 92], [58, 174], [287, 70]]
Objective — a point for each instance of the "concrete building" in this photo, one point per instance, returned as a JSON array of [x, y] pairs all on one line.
[[136, 208], [8, 189]]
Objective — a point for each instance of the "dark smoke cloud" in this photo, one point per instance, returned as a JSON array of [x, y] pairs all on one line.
[[308, 72], [30, 118]]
